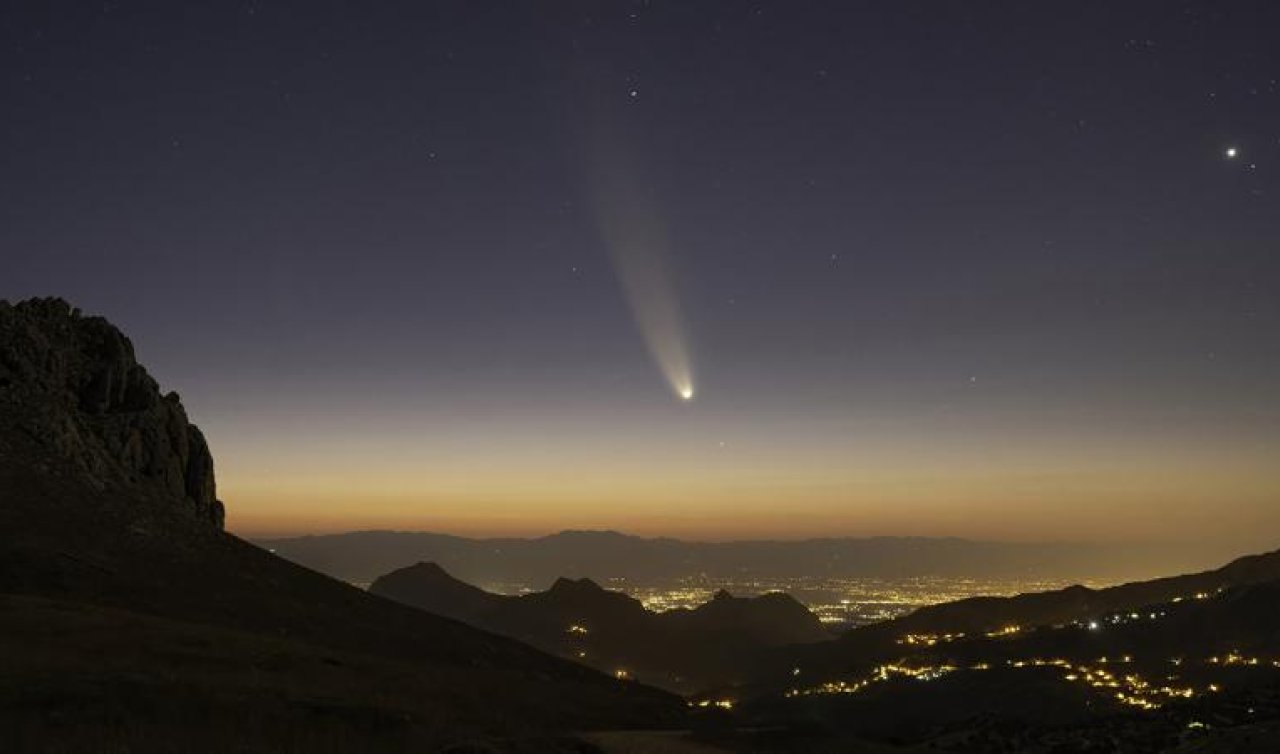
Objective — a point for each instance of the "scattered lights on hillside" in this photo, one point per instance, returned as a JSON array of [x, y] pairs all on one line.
[[1128, 688], [879, 675]]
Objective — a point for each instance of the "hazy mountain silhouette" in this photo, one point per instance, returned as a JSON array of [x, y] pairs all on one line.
[[131, 621], [601, 555], [683, 650]]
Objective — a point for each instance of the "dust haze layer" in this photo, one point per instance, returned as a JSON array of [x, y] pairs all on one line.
[[538, 562]]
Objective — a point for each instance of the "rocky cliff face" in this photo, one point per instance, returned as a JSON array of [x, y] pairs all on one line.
[[71, 383]]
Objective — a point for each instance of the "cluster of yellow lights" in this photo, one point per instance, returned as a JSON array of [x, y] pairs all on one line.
[[1235, 658], [622, 675], [721, 703], [670, 599], [929, 640], [1006, 631], [882, 673], [577, 629], [1128, 688]]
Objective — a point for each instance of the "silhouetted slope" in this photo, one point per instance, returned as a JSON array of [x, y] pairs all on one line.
[[576, 618], [979, 614], [107, 557]]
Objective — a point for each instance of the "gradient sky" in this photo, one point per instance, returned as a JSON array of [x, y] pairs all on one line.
[[981, 269]]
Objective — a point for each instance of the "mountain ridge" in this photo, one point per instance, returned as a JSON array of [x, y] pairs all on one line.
[[682, 650]]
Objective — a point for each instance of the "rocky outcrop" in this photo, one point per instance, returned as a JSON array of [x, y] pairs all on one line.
[[72, 383]]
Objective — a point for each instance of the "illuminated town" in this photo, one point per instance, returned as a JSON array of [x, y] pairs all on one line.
[[840, 602]]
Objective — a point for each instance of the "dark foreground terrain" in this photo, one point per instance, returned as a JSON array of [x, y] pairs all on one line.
[[130, 621]]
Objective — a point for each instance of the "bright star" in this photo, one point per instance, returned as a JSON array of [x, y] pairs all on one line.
[[1231, 153]]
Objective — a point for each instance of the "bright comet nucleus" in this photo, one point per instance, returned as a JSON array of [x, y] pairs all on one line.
[[686, 393]]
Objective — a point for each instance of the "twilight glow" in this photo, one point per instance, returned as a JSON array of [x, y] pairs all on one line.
[[1023, 284]]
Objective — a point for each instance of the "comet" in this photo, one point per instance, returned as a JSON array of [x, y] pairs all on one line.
[[631, 226]]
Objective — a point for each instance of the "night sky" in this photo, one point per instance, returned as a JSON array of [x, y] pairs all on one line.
[[999, 270]]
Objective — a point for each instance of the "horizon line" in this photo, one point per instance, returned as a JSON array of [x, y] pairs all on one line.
[[264, 536]]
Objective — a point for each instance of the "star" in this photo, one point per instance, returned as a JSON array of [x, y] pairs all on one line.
[[1231, 153]]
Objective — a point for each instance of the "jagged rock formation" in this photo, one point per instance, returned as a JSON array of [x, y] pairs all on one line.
[[72, 383]]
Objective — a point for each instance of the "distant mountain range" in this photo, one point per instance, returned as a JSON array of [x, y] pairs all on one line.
[[682, 650], [360, 557]]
